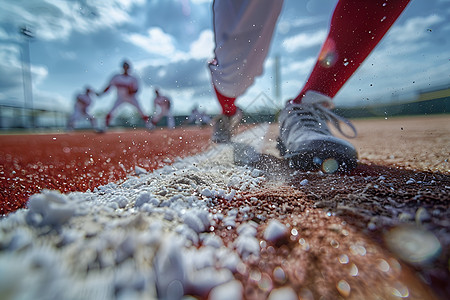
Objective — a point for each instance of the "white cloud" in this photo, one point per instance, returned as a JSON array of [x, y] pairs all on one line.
[[11, 78], [52, 20], [69, 55], [11, 75], [200, 1], [284, 26], [127, 4], [51, 100], [9, 55], [3, 34], [156, 42], [414, 36], [301, 67], [11, 66], [304, 40], [203, 47], [39, 74], [414, 29], [161, 73]]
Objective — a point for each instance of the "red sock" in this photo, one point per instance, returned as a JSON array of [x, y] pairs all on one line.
[[108, 119], [356, 28], [227, 103]]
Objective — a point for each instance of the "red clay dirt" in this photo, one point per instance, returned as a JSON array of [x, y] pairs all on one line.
[[401, 186], [79, 161]]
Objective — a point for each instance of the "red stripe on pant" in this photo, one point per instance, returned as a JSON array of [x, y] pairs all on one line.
[[357, 26]]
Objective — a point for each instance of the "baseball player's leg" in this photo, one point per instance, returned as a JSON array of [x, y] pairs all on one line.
[[243, 32], [92, 120], [88, 117], [356, 28], [157, 117], [75, 116], [305, 139], [135, 103], [110, 113], [205, 119], [170, 120]]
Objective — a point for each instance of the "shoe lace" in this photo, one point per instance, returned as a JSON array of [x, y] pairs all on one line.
[[312, 115]]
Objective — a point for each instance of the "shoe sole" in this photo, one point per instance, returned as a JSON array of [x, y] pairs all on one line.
[[325, 156]]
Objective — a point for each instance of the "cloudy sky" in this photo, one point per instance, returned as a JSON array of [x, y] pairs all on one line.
[[168, 42]]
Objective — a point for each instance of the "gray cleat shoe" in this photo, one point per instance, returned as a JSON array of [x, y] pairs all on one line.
[[306, 141], [224, 127]]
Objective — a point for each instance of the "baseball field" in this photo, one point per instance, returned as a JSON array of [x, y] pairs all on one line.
[[165, 214]]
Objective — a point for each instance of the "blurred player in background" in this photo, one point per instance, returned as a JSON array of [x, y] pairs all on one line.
[[162, 106], [126, 86], [198, 117], [82, 102]]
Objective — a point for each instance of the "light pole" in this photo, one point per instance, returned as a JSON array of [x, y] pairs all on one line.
[[277, 79], [26, 72]]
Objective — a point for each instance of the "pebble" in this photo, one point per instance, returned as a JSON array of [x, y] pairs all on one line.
[[413, 244], [410, 181], [285, 293], [304, 182], [247, 246], [230, 290], [275, 231], [422, 216], [139, 171]]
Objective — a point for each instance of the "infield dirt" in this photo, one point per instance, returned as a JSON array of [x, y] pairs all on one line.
[[353, 235]]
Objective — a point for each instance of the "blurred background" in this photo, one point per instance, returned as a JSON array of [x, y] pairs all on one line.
[[51, 50]]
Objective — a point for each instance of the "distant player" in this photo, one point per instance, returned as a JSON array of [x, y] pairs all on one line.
[[82, 102], [127, 86], [162, 107], [198, 117]]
